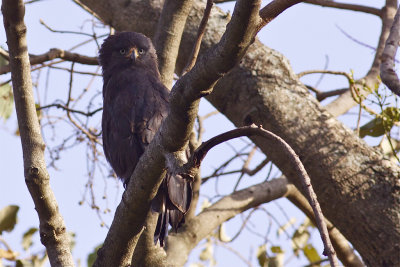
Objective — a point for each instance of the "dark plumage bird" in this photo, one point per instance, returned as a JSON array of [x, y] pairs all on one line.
[[135, 104]]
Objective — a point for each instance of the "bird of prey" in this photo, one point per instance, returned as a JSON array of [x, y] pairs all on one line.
[[135, 103]]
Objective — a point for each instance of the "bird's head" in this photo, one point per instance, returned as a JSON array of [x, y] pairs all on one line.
[[126, 49]]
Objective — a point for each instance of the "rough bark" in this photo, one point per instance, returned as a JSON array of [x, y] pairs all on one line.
[[357, 187], [53, 234]]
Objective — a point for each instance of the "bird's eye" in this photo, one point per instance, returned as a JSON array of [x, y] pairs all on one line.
[[122, 51], [141, 51]]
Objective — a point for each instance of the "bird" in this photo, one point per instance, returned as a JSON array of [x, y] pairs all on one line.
[[135, 103]]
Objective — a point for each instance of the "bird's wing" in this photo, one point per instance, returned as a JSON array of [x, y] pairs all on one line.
[[133, 112]]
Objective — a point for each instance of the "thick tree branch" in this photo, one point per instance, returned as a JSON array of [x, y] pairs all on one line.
[[53, 232], [345, 253], [200, 32], [388, 74], [53, 54], [168, 36], [175, 131], [211, 66], [195, 230]]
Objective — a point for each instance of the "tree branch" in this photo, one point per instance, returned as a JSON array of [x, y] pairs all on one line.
[[53, 54], [388, 74], [352, 7], [200, 32], [60, 106], [273, 9], [194, 230], [53, 233], [168, 36]]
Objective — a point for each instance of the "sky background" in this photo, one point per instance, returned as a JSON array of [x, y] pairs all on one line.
[[307, 35]]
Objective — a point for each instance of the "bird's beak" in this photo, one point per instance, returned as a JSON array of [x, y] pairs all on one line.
[[134, 54]]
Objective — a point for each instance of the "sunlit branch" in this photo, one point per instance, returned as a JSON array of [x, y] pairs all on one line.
[[53, 232], [388, 74], [200, 33]]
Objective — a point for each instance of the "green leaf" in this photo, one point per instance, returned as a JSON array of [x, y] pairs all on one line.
[[276, 249], [311, 253], [27, 238], [8, 218], [262, 256], [6, 101], [92, 256], [381, 124], [373, 128]]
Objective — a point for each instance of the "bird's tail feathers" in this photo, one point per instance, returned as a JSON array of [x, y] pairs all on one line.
[[172, 203]]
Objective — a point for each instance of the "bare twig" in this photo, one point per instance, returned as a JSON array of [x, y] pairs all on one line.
[[345, 6], [63, 31], [52, 227], [355, 39], [76, 71], [200, 33], [323, 95], [388, 74], [235, 252], [63, 107], [357, 97]]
